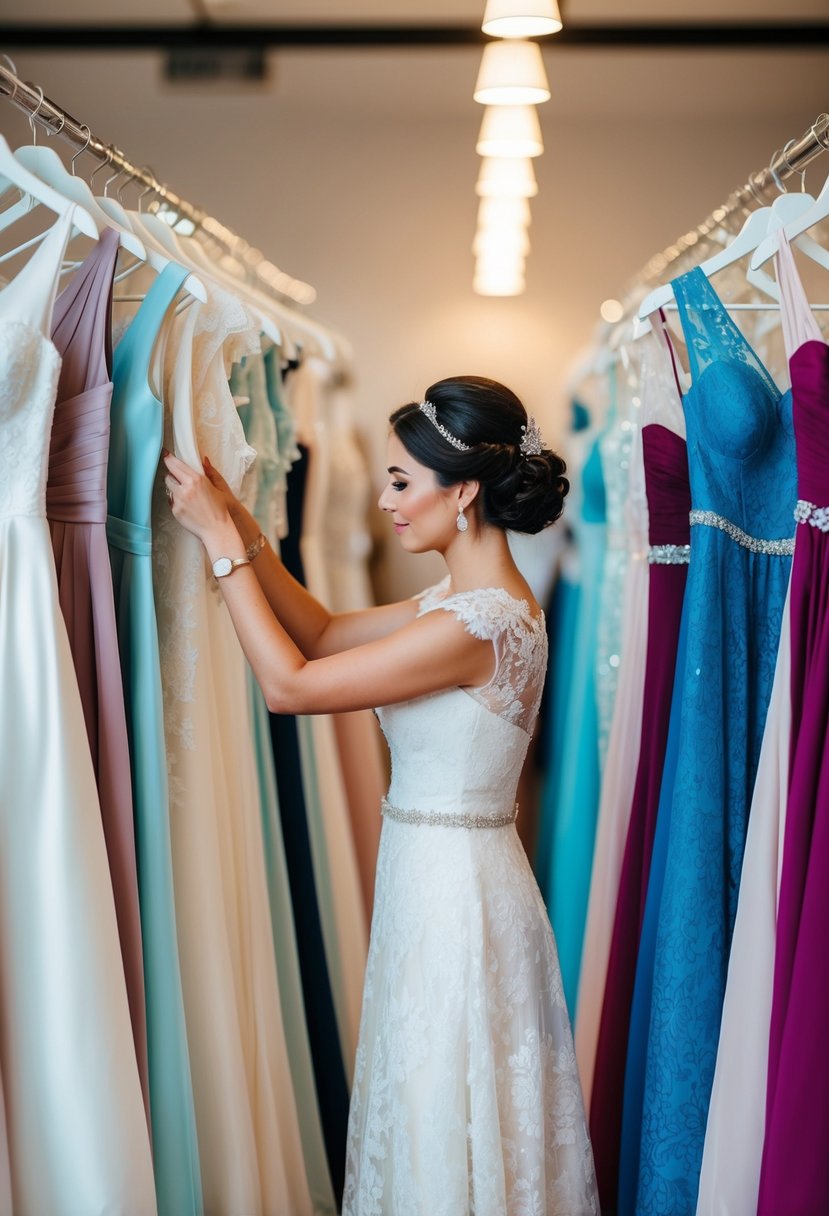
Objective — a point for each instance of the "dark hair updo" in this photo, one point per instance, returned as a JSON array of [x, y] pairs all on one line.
[[523, 493]]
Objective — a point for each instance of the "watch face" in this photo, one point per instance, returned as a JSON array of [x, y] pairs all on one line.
[[222, 567]]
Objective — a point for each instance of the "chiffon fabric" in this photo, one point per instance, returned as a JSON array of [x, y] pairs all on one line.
[[77, 1129], [466, 1093], [795, 1173], [619, 771], [248, 379], [300, 818], [136, 422], [76, 508], [669, 499], [574, 791], [251, 1149], [344, 916], [740, 442], [730, 1174], [5, 1167]]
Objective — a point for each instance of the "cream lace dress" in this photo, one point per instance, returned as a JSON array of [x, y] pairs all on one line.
[[466, 1095]]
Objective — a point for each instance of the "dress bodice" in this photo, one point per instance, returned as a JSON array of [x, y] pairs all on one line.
[[460, 751], [739, 425], [669, 492], [29, 369], [76, 489]]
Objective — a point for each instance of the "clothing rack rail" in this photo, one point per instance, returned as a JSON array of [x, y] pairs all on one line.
[[57, 121], [791, 160]]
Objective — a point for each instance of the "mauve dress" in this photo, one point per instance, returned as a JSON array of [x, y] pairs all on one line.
[[76, 507], [669, 502], [794, 1176]]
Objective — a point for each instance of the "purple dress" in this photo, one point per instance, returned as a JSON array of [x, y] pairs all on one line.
[[76, 507], [795, 1168], [669, 502]]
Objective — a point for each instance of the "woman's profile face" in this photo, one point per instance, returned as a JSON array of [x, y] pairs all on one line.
[[423, 512]]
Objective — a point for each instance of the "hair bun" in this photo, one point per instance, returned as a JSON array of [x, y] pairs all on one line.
[[530, 495]]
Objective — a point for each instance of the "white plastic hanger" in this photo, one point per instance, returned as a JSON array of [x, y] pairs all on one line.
[[45, 164], [796, 227], [752, 233], [15, 175]]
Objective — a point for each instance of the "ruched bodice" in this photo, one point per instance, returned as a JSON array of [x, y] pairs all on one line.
[[666, 478]]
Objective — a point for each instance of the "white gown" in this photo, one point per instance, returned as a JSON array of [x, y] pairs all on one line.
[[77, 1131], [466, 1096]]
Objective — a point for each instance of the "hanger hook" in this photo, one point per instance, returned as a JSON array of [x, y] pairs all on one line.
[[774, 173], [106, 160], [150, 188], [81, 151], [784, 156], [115, 175], [33, 115]]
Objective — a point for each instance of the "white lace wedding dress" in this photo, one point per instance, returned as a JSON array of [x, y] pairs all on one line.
[[466, 1096]]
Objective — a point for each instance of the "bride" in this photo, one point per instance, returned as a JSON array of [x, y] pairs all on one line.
[[466, 1096]]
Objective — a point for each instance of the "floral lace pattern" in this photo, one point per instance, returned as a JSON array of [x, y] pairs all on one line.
[[30, 369], [519, 639], [466, 1094]]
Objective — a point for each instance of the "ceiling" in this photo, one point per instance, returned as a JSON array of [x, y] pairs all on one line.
[[386, 12]]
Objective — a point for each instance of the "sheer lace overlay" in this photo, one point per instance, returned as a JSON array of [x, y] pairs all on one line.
[[466, 1095]]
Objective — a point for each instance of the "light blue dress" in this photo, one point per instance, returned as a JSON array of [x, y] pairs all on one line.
[[135, 449], [743, 492], [575, 799]]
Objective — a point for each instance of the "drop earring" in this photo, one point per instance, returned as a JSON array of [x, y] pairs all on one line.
[[462, 521]]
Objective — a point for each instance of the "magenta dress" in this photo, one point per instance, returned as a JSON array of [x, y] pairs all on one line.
[[794, 1175], [669, 502], [76, 507]]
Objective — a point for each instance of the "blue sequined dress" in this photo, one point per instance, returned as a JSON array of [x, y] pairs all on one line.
[[743, 491]]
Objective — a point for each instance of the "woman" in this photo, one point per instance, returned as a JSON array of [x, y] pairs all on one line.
[[466, 1096]]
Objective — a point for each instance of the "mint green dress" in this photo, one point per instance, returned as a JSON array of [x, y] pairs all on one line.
[[135, 448]]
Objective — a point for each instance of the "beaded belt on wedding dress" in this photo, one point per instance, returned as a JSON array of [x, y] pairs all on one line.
[[775, 548], [441, 819]]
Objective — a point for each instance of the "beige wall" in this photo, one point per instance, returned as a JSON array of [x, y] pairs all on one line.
[[356, 172]]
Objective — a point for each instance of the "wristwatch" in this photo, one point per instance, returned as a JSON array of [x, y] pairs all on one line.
[[223, 566]]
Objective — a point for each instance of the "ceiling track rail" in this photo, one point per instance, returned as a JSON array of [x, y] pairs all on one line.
[[633, 36]]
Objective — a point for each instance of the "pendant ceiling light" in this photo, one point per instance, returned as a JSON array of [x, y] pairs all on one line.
[[501, 244], [507, 177], [510, 131], [496, 282], [503, 213], [521, 18], [512, 74]]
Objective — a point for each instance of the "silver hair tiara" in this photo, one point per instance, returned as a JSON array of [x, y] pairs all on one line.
[[531, 443], [429, 410]]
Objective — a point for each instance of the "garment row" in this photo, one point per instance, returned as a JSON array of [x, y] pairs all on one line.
[[682, 845], [182, 874]]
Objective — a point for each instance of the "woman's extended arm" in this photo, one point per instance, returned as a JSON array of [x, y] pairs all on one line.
[[424, 655], [315, 631]]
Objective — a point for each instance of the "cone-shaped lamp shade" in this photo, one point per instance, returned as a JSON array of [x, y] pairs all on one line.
[[521, 18], [497, 281], [510, 131], [507, 177], [496, 243], [503, 213], [512, 74]]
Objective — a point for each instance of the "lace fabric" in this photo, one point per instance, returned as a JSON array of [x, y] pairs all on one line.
[[466, 1093]]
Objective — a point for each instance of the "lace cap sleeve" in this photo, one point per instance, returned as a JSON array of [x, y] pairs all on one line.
[[520, 642], [430, 597]]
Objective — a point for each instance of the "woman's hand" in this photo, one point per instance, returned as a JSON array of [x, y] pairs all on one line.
[[198, 503]]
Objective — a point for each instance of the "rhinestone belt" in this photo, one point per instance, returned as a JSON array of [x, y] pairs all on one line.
[[669, 555], [441, 819], [775, 548], [810, 513]]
